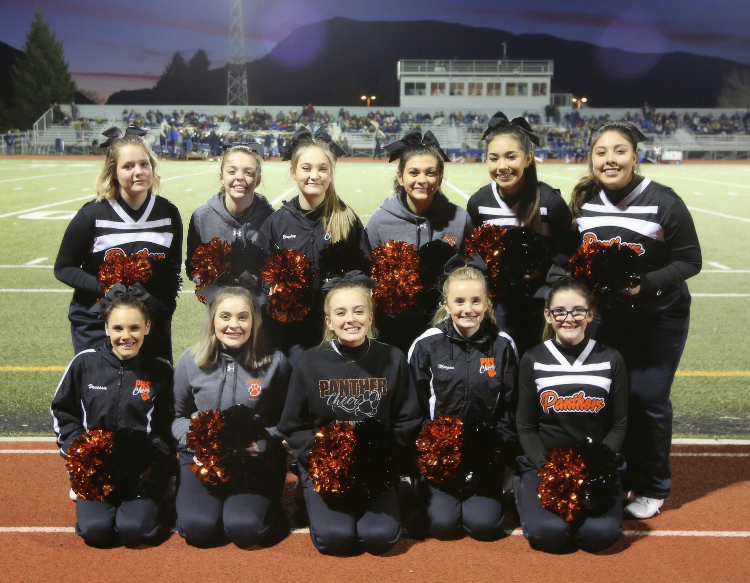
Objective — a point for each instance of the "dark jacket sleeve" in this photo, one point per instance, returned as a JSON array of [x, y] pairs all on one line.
[[65, 409], [297, 422], [358, 236], [184, 403], [527, 414], [193, 240], [406, 414], [161, 423], [419, 362], [508, 394], [619, 394], [473, 209], [564, 235], [685, 259], [280, 382], [74, 248], [175, 249]]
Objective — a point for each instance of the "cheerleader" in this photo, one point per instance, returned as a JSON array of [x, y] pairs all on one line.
[[349, 377], [417, 213], [315, 218], [232, 364], [236, 212], [558, 382], [465, 366], [517, 198], [114, 386], [615, 204], [127, 217]]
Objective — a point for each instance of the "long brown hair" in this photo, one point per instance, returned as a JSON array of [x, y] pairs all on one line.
[[588, 186], [106, 186], [411, 153], [529, 213], [338, 218]]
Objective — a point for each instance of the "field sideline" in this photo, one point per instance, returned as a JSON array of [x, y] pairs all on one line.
[[39, 196]]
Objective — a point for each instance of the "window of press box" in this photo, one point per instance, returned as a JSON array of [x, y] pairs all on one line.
[[516, 89], [538, 89], [494, 89], [437, 88], [457, 88], [475, 88], [415, 88]]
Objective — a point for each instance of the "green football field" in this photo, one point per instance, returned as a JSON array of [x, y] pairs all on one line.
[[38, 197]]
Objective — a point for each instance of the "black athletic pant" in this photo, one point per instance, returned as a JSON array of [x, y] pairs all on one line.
[[131, 523], [546, 531], [449, 515]]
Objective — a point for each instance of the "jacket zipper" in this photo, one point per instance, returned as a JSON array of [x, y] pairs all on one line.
[[117, 398]]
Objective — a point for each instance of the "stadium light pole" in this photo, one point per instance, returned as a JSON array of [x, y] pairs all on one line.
[[579, 101], [368, 99]]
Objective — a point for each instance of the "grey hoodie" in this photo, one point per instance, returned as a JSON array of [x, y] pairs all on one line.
[[195, 389], [214, 220], [442, 221]]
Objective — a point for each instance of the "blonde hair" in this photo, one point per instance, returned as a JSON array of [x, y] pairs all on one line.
[[329, 334], [243, 150], [338, 218], [462, 274], [255, 353], [106, 185], [589, 186], [563, 285]]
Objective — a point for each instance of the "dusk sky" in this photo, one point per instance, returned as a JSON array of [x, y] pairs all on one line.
[[126, 45]]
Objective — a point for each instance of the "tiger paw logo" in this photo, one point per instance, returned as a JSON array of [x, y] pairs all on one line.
[[254, 388], [142, 388], [452, 240], [487, 365]]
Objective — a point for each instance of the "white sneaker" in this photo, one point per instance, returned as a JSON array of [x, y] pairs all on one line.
[[643, 507]]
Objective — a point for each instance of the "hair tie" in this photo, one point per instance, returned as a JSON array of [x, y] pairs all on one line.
[[320, 135], [356, 277], [115, 132], [226, 279], [413, 139], [629, 127], [500, 120], [253, 146], [136, 290]]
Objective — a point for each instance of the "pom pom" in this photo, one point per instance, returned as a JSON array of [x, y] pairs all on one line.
[[337, 259], [524, 254], [607, 269], [396, 269], [124, 269], [288, 274], [204, 439], [209, 261], [432, 259], [488, 242], [562, 483], [374, 471], [332, 460], [89, 458], [110, 466], [439, 449]]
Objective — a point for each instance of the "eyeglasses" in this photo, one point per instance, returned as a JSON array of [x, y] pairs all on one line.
[[561, 315]]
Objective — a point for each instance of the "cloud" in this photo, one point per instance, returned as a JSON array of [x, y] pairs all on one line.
[[132, 76]]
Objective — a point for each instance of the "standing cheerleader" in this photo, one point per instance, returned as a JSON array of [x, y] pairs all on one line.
[[114, 387], [517, 198], [311, 221], [613, 204], [236, 212], [126, 218], [417, 213], [465, 366], [350, 377], [570, 389], [232, 364]]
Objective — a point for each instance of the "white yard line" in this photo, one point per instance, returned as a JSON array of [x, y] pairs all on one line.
[[46, 176], [692, 208], [719, 265], [26, 266], [46, 206], [281, 197], [37, 291], [720, 295], [458, 190], [723, 270], [35, 261]]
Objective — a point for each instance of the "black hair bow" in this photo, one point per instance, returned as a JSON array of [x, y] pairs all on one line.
[[137, 290], [254, 146], [350, 277], [457, 261], [603, 126], [500, 120], [226, 279], [115, 132], [413, 139], [320, 135]]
